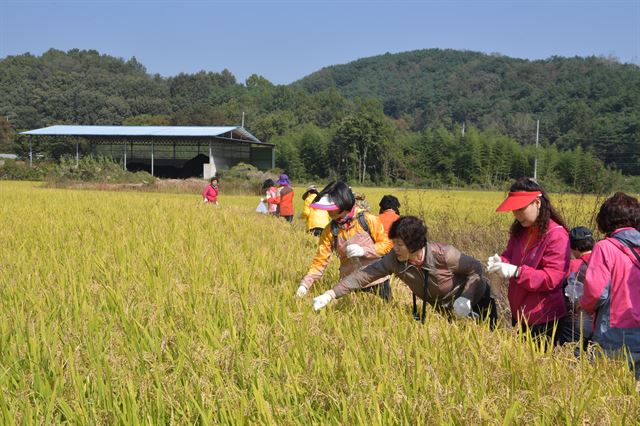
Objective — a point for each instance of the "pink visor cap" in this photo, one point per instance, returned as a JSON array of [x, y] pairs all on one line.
[[325, 203], [518, 200]]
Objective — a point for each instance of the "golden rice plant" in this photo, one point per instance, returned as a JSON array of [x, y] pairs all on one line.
[[148, 308]]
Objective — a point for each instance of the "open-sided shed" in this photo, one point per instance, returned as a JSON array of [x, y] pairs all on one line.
[[172, 151]]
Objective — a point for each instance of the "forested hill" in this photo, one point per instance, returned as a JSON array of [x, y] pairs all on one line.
[[588, 103], [592, 102]]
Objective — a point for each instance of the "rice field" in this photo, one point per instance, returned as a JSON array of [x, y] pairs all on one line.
[[149, 308]]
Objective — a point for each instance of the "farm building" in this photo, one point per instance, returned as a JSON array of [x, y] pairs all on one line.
[[165, 151]]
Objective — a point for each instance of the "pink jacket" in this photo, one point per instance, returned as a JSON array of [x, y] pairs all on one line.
[[211, 193], [536, 295], [271, 194], [612, 291]]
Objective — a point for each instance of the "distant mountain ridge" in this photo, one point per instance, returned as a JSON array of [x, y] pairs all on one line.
[[592, 102], [589, 102]]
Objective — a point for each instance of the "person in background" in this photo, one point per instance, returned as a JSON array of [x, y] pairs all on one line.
[[210, 192], [283, 198], [357, 237], [316, 219], [361, 201], [437, 273], [535, 262], [581, 243], [612, 280], [389, 211], [271, 193]]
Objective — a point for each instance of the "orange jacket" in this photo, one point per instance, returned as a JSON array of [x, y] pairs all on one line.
[[387, 218], [355, 234], [284, 200]]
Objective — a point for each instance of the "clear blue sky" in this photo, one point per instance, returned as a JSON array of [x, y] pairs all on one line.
[[286, 40]]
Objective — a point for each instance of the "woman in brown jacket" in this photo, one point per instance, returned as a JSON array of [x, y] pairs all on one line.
[[437, 273]]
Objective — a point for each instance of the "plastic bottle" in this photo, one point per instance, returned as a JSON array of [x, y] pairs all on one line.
[[574, 288]]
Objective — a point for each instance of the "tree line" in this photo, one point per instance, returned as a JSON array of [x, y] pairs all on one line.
[[384, 119]]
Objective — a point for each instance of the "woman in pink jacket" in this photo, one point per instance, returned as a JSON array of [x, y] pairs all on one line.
[[535, 261], [612, 281]]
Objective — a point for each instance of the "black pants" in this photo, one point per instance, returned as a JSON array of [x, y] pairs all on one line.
[[383, 290], [288, 218], [562, 333], [486, 308]]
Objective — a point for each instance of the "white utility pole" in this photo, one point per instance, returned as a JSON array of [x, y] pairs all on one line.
[[535, 161], [463, 123], [242, 125]]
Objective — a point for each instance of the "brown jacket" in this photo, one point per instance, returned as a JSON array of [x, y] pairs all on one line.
[[452, 274]]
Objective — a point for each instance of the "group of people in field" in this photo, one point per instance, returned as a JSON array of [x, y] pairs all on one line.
[[594, 297]]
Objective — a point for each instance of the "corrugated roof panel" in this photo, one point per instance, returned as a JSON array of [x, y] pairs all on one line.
[[62, 130]]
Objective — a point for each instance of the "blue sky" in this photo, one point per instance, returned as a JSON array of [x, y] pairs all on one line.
[[286, 40]]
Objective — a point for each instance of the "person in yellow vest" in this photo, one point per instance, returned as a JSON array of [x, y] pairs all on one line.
[[316, 219], [357, 237]]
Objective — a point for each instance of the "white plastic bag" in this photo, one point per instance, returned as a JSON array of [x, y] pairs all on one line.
[[262, 208]]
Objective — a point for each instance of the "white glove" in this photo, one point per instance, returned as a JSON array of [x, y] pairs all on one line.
[[462, 307], [354, 250], [321, 301], [493, 260], [302, 291], [205, 201], [506, 270]]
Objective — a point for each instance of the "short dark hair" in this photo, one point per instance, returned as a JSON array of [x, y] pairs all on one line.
[[340, 194], [213, 178], [389, 202], [411, 230], [618, 211], [546, 209], [268, 184], [581, 239], [309, 191]]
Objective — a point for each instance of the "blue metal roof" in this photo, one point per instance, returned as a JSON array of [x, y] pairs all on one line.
[[159, 131]]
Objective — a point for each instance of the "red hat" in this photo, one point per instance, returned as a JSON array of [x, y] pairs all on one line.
[[518, 200]]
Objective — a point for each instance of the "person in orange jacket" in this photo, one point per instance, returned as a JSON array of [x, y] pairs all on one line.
[[389, 211], [284, 198], [357, 238]]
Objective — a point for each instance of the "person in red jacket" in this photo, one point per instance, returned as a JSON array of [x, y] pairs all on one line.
[[284, 198], [535, 261], [210, 193]]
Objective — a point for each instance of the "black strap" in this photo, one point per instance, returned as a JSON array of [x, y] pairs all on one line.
[[364, 224], [582, 271], [334, 233], [424, 301]]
